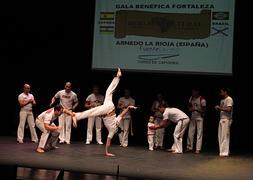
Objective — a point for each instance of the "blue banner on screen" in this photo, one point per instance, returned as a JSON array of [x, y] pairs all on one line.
[[174, 36]]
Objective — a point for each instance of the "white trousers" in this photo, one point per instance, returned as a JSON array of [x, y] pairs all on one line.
[[45, 133], [65, 121], [112, 126], [151, 141], [23, 116], [107, 106], [159, 134], [98, 123], [224, 136], [178, 135], [195, 123], [123, 135]]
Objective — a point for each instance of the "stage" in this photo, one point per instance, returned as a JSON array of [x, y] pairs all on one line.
[[131, 162]]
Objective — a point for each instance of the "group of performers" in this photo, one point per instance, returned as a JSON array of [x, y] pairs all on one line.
[[162, 116]]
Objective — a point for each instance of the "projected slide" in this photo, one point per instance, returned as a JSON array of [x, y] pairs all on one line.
[[174, 36]]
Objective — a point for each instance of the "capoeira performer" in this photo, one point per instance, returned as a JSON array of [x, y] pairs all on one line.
[[93, 100], [159, 133], [68, 100], [112, 123], [226, 110], [177, 116], [26, 101], [124, 102], [151, 133], [197, 107], [107, 109], [45, 123]]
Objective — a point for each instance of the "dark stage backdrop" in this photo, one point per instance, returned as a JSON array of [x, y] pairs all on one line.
[[47, 46]]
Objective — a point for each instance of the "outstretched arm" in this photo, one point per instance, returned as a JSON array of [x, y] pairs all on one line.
[[69, 112], [123, 113], [163, 124]]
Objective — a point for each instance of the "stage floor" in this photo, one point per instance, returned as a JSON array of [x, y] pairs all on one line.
[[133, 162]]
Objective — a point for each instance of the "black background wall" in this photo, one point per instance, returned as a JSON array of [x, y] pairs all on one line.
[[47, 45]]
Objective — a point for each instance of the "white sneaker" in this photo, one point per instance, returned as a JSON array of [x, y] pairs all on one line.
[[87, 142], [151, 149], [100, 143]]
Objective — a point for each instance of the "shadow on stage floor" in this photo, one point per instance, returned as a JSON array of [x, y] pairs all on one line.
[[80, 161]]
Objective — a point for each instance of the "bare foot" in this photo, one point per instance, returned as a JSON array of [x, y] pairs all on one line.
[[109, 154], [40, 150], [174, 152], [119, 73], [223, 156], [188, 150], [197, 152]]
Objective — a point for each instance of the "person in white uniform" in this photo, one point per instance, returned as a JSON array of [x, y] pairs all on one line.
[[159, 133], [26, 101], [151, 133], [226, 110], [181, 119], [111, 123], [197, 107], [93, 100], [107, 109], [68, 99], [123, 103], [46, 125]]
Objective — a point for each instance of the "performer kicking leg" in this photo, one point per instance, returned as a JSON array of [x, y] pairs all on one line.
[[105, 108]]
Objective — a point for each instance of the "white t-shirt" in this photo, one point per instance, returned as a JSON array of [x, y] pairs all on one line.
[[66, 99], [150, 131], [174, 115], [47, 116], [111, 121], [26, 97], [127, 102], [96, 99], [227, 102], [197, 104]]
